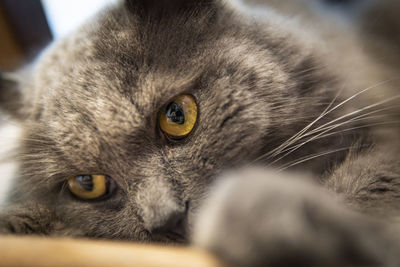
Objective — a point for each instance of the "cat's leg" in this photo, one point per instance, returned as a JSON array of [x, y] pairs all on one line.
[[261, 218]]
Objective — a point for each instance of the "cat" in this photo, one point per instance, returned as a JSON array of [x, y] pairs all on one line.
[[264, 136]]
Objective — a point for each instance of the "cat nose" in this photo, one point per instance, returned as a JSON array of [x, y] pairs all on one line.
[[163, 215], [173, 226]]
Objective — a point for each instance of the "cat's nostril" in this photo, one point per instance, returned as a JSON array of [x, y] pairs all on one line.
[[174, 225]]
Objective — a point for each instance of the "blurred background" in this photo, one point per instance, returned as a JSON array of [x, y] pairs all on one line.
[[29, 25]]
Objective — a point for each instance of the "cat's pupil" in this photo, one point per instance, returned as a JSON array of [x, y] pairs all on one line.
[[86, 181], [175, 113]]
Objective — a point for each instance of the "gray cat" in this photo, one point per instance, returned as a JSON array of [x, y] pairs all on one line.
[[267, 136]]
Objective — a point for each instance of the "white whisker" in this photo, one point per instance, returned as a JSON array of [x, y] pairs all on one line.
[[355, 119], [293, 139], [359, 127], [313, 156], [354, 112], [301, 134], [325, 130]]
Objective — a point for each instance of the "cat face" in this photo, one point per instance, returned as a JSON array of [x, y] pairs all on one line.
[[97, 97]]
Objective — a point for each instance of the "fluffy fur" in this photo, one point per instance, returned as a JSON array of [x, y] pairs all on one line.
[[273, 90]]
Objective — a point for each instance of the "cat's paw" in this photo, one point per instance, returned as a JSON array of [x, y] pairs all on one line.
[[261, 218], [20, 220]]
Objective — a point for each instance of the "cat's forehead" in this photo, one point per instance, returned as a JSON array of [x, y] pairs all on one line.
[[117, 55]]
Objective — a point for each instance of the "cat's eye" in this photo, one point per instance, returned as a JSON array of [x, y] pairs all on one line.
[[90, 187], [178, 117]]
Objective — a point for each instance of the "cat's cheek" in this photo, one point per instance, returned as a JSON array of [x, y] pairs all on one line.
[[81, 218]]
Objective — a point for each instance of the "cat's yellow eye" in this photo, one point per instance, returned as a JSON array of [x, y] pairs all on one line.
[[89, 186], [178, 117]]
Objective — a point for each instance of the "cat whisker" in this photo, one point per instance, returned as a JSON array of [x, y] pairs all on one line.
[[293, 139], [355, 112], [359, 127], [325, 130], [362, 116], [310, 157], [365, 116], [326, 133], [328, 110]]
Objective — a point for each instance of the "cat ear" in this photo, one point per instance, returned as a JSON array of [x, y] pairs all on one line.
[[10, 96], [167, 7]]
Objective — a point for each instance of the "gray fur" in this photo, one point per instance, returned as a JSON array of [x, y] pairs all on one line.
[[91, 103]]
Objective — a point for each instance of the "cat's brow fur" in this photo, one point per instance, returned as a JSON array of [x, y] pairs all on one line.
[[90, 104]]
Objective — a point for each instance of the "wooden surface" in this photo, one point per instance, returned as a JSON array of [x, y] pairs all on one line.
[[35, 251]]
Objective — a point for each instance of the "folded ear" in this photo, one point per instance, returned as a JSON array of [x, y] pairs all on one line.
[[10, 96], [167, 7]]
